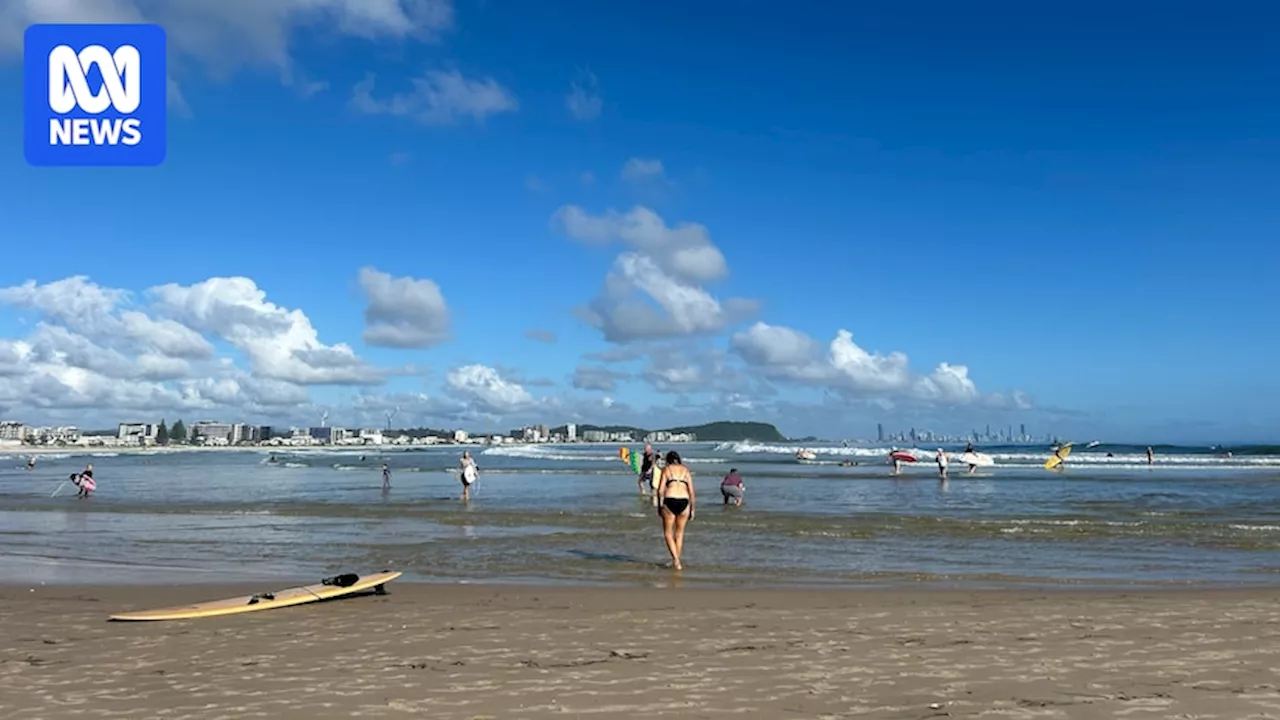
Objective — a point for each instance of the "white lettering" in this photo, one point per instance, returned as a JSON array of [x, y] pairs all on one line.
[[59, 132], [121, 79], [132, 131], [95, 131], [80, 131]]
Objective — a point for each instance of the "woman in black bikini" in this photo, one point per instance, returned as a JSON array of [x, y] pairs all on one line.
[[675, 505]]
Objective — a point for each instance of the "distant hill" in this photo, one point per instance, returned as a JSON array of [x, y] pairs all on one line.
[[722, 431]]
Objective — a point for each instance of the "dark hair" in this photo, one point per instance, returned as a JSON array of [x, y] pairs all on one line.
[[733, 470], [674, 457]]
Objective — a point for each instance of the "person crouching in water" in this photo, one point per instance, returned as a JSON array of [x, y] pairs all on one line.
[[675, 505], [732, 487], [85, 481]]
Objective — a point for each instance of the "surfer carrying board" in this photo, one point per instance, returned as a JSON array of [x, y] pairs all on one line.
[[968, 451], [468, 475]]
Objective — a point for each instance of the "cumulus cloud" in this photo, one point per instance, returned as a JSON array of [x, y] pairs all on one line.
[[657, 288], [486, 389], [281, 344], [786, 354], [92, 350], [260, 31], [438, 97], [584, 101], [403, 312]]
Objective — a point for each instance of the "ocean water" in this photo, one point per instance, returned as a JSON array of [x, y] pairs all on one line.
[[572, 514]]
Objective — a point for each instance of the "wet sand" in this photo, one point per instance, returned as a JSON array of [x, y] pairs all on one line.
[[471, 652]]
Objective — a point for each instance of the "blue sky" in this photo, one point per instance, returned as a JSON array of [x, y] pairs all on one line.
[[1076, 205]]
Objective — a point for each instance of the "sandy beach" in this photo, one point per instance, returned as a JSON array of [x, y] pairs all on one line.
[[466, 652]]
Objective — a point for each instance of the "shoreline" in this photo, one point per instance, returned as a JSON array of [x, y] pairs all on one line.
[[465, 651], [38, 450]]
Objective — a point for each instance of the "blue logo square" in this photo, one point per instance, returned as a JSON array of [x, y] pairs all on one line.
[[94, 94]]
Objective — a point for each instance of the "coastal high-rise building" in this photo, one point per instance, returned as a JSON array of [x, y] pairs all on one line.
[[12, 431], [879, 432], [137, 433], [571, 432], [1022, 430]]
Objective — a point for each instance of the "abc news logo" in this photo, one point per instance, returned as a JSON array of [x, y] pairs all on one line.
[[69, 89], [95, 94]]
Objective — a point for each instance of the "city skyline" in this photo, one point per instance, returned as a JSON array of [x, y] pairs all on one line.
[[551, 225]]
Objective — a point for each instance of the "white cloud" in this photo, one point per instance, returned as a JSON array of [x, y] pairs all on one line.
[[280, 344], [657, 289], [782, 353], [584, 101], [439, 97], [485, 388], [641, 169], [223, 36], [403, 312], [93, 350]]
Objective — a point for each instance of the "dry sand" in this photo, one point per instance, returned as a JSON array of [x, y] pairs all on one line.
[[489, 652]]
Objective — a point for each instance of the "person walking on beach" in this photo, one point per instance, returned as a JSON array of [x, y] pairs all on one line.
[[732, 488], [1151, 456], [647, 469], [676, 505], [470, 472], [943, 461], [386, 477]]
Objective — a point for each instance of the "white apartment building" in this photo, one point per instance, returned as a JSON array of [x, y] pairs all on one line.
[[571, 432], [12, 432], [211, 432], [137, 433]]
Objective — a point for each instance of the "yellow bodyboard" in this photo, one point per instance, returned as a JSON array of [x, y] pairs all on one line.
[[1056, 460], [262, 601]]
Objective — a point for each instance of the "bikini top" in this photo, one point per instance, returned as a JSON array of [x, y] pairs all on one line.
[[684, 477]]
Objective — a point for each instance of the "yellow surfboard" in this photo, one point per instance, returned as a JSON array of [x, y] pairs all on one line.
[[1056, 460], [334, 587]]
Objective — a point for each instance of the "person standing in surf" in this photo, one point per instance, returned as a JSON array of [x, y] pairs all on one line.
[[897, 464], [31, 463], [386, 477], [1151, 456], [675, 505], [468, 474], [943, 461], [647, 469]]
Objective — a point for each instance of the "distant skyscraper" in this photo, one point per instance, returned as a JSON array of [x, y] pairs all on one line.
[[1022, 429], [879, 432]]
